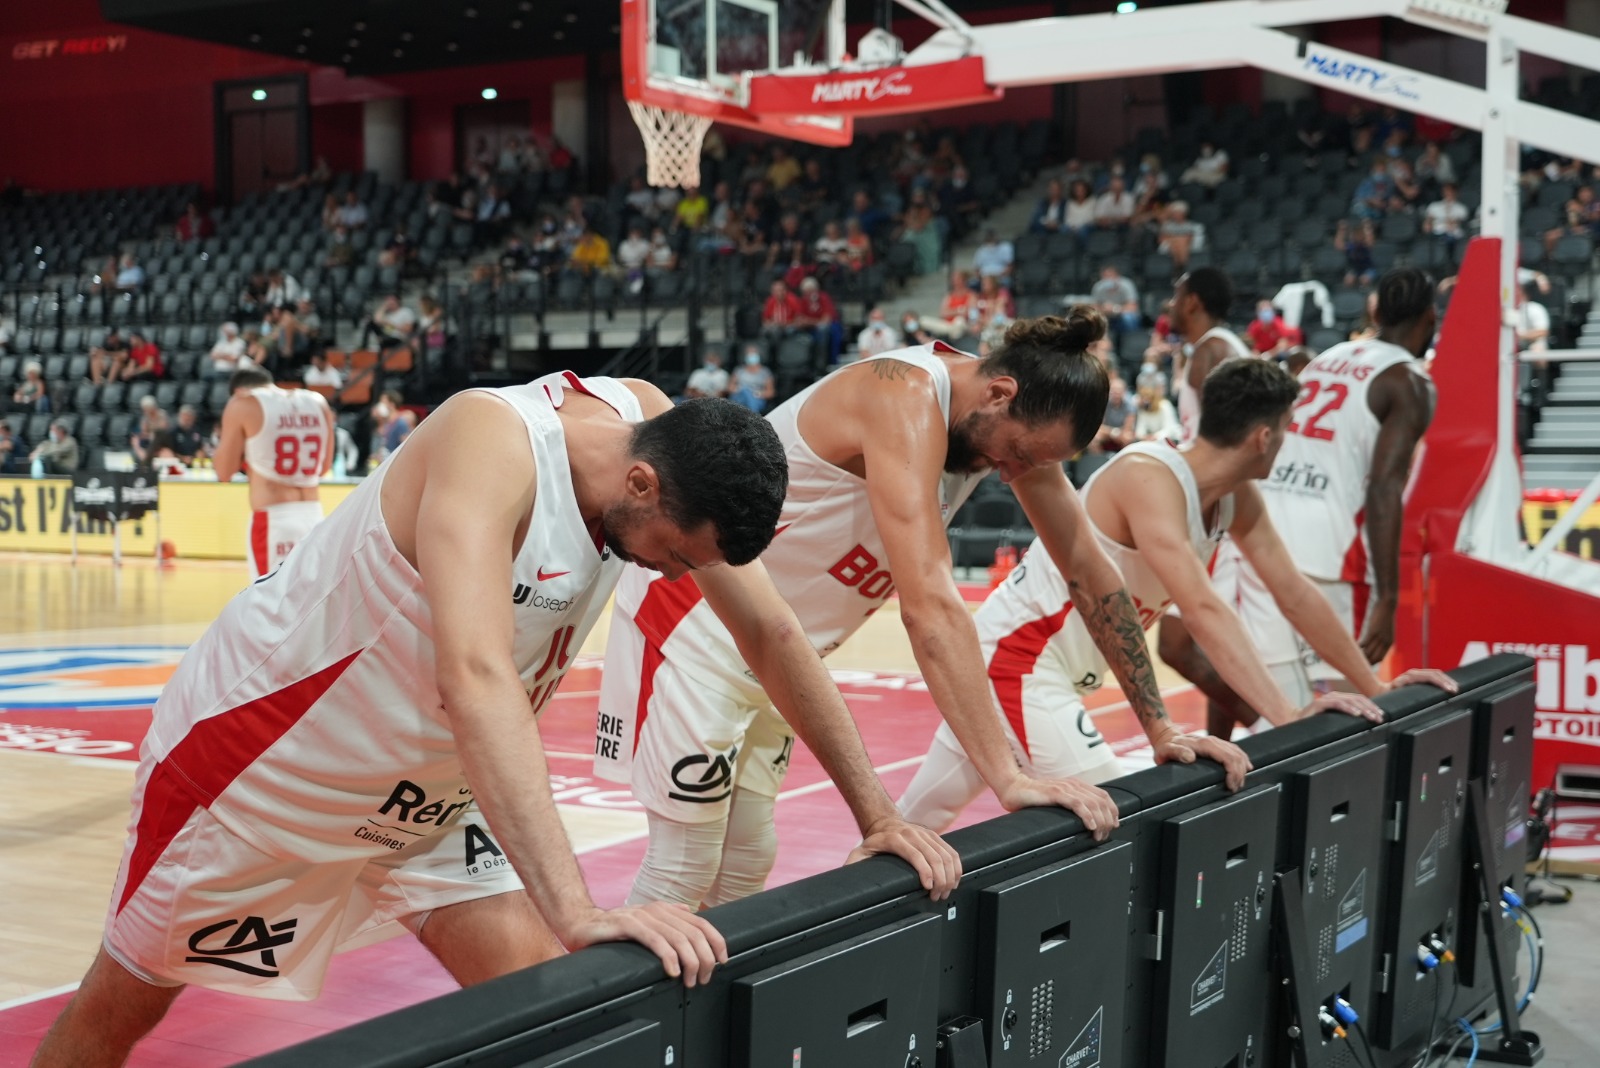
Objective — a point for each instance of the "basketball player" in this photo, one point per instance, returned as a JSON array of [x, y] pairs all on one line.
[[284, 439], [1160, 513], [326, 764], [1339, 481], [881, 453], [1200, 301]]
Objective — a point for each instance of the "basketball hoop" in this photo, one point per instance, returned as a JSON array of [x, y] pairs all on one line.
[[672, 141]]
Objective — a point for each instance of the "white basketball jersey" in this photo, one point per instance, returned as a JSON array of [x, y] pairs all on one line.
[[1188, 396], [293, 440], [1318, 490], [316, 689], [827, 560], [1031, 614]]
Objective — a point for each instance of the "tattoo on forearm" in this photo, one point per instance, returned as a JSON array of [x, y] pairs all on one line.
[[1114, 625], [890, 370]]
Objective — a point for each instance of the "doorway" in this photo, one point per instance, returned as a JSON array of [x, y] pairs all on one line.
[[263, 135], [482, 130]]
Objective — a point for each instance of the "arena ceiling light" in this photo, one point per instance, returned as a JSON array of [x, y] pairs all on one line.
[[490, 93], [258, 94], [1127, 7]]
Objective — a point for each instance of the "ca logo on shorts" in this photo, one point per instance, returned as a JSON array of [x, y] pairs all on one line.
[[253, 935], [704, 779]]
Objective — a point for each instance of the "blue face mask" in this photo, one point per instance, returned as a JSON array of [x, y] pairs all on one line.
[[1265, 315], [1393, 150]]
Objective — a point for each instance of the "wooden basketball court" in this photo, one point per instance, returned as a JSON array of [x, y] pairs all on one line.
[[83, 652]]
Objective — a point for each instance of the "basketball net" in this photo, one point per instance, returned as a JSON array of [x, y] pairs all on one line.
[[672, 142]]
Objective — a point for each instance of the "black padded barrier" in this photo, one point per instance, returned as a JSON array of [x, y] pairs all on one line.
[[857, 966]]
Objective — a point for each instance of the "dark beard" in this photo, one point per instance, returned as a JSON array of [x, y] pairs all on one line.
[[961, 455], [613, 523]]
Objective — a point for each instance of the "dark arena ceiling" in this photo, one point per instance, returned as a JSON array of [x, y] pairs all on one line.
[[391, 36]]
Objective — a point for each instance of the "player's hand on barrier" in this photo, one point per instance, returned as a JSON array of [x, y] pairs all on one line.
[[687, 945], [1089, 803], [1426, 677], [1175, 747], [1351, 704], [938, 865]]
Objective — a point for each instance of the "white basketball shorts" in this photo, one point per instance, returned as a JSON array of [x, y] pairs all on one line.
[[277, 529]]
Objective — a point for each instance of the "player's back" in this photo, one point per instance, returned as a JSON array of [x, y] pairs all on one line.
[[1317, 492], [1188, 395], [291, 448]]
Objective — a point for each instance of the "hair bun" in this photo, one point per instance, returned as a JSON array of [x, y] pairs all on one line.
[[1083, 326]]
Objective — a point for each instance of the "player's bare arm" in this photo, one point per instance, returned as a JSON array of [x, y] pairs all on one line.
[[1402, 401], [474, 498], [241, 418], [903, 460], [1204, 359], [771, 641], [1141, 488], [328, 442]]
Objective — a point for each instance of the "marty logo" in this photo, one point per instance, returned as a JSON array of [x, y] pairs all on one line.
[[253, 936], [1084, 1051]]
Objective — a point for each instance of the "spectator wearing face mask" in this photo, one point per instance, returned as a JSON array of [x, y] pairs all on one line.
[[818, 314], [709, 379], [752, 385], [878, 336], [1269, 333], [911, 329]]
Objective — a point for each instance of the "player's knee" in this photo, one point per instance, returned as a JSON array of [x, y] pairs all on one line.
[[680, 863], [750, 851]]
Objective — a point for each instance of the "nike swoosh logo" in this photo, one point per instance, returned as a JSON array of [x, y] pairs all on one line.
[[546, 576]]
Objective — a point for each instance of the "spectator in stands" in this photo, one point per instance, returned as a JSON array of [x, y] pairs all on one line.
[[1433, 168], [1074, 171], [813, 188], [255, 351], [789, 252], [510, 159], [57, 454], [1375, 194], [432, 330], [1115, 207], [1154, 418], [392, 323], [284, 289], [1533, 325], [640, 201], [780, 313], [321, 372], [319, 174], [1359, 130], [877, 336], [1149, 201], [106, 358], [31, 394], [1269, 333], [152, 421], [185, 438], [227, 353], [130, 276], [8, 331], [991, 304], [994, 257], [858, 245], [1179, 235], [958, 201], [391, 424], [723, 211], [11, 450], [444, 197], [919, 228], [144, 363], [1079, 218], [912, 330], [663, 257], [1392, 129], [709, 379], [752, 384], [831, 252], [492, 217], [548, 252], [352, 214], [1367, 327], [1116, 426], [819, 315], [1117, 298], [282, 340], [1580, 217], [1356, 245], [305, 313], [1312, 133], [1446, 219], [341, 253], [750, 231], [784, 170], [692, 211], [330, 212], [194, 224], [1296, 359], [633, 252], [866, 214], [1407, 190], [957, 311], [400, 250], [1050, 216], [592, 253], [1210, 168]]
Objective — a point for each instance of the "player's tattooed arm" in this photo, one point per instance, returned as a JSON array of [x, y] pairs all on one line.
[[1114, 625]]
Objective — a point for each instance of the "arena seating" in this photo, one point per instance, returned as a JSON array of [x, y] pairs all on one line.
[[1054, 950]]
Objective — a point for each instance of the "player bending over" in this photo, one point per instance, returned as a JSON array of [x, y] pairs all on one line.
[[351, 750], [1159, 512], [880, 454], [284, 438]]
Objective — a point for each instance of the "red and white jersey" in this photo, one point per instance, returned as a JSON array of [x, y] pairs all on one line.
[[1030, 618], [294, 437], [308, 719], [1318, 490], [828, 559], [1188, 396]]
